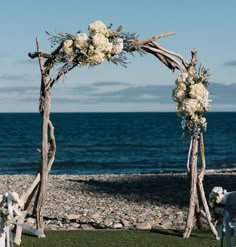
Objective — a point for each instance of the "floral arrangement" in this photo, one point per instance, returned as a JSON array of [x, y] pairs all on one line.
[[217, 197], [100, 44], [11, 207], [191, 95]]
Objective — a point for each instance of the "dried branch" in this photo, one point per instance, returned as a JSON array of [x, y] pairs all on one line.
[[65, 69], [53, 145], [36, 54], [194, 57], [150, 40], [165, 58], [184, 62]]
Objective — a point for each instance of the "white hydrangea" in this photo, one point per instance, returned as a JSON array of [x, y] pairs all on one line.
[[189, 106], [181, 78], [97, 58], [68, 46], [101, 43], [118, 46], [99, 27], [81, 41], [198, 91], [200, 120], [178, 94]]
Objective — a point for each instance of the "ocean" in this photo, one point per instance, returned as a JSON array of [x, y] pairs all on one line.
[[113, 143]]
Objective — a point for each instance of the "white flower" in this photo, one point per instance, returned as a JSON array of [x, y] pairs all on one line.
[[181, 78], [97, 58], [68, 46], [216, 196], [189, 106], [198, 91], [191, 71], [101, 43], [99, 27], [81, 41], [118, 46], [178, 95]]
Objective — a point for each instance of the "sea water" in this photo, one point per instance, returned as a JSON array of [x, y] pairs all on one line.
[[98, 143]]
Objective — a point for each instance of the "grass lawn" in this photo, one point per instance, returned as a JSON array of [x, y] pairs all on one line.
[[121, 238]]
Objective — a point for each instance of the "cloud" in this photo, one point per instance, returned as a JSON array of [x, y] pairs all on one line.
[[223, 96], [19, 77], [17, 89], [147, 94], [230, 63]]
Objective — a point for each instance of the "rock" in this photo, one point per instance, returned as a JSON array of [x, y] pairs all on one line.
[[96, 216], [166, 223], [144, 226], [86, 227], [72, 217], [125, 223], [74, 225], [117, 226]]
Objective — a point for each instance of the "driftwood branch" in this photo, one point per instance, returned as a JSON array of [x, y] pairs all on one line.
[[193, 190], [189, 154], [33, 55], [150, 40]]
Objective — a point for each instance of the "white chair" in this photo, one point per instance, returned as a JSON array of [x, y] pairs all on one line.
[[229, 220]]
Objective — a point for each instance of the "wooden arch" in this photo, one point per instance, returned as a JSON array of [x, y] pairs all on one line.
[[36, 192]]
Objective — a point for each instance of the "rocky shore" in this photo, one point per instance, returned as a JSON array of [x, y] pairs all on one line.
[[116, 201]]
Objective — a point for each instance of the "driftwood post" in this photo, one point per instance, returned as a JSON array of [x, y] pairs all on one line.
[[102, 44], [197, 188], [192, 98]]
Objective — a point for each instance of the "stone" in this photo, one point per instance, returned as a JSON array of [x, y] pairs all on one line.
[[86, 227], [166, 223], [72, 216], [144, 226], [117, 226], [125, 223], [74, 225], [96, 216]]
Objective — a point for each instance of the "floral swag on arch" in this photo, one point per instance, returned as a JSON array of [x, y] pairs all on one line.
[[99, 45]]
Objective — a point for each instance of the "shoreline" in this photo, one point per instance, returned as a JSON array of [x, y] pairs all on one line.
[[117, 201]]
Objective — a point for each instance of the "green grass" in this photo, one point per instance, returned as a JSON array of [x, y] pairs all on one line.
[[121, 238]]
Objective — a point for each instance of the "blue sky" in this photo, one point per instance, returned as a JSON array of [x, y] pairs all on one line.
[[145, 85]]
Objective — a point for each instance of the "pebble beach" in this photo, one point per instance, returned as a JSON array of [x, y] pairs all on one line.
[[127, 201]]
